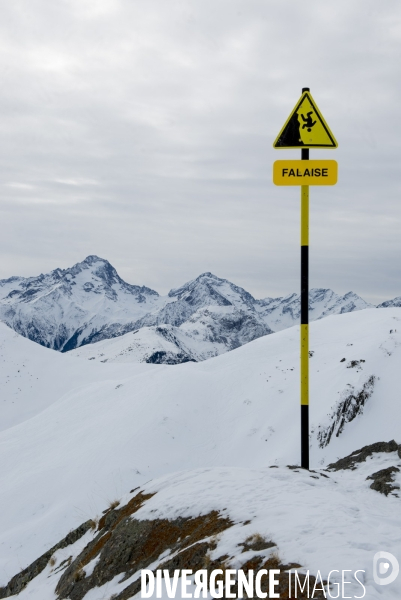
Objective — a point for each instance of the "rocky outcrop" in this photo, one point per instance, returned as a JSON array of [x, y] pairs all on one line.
[[21, 580], [383, 480], [123, 545], [347, 409], [352, 460]]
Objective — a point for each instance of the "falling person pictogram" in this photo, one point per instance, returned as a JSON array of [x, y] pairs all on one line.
[[308, 123]]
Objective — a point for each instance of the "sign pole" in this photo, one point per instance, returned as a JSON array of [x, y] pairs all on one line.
[[304, 333], [305, 128]]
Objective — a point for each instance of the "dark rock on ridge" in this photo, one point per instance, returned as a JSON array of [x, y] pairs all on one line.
[[21, 580], [383, 480], [359, 456]]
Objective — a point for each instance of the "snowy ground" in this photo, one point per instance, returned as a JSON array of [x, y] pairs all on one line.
[[332, 522], [219, 425], [33, 377]]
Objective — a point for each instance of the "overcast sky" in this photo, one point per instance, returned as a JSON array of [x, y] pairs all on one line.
[[142, 131]]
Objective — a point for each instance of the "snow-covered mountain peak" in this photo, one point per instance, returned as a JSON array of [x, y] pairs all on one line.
[[326, 295], [210, 290], [395, 302], [202, 278], [65, 307], [92, 259], [93, 274], [284, 311], [319, 294], [90, 302], [96, 270], [96, 265]]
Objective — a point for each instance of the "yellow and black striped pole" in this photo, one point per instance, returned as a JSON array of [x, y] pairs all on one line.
[[305, 317], [305, 128]]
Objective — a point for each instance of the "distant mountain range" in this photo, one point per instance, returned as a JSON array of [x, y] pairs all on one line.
[[89, 302]]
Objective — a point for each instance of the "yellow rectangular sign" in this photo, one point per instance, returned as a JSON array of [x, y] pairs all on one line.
[[305, 172]]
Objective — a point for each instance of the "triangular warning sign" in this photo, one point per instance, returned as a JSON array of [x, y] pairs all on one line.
[[305, 127]]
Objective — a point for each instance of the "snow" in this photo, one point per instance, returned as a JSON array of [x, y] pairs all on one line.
[[207, 333], [204, 436], [136, 346], [291, 508], [280, 313], [69, 306], [295, 509], [89, 302], [32, 377]]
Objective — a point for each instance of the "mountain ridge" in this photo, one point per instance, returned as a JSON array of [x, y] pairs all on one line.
[[89, 303]]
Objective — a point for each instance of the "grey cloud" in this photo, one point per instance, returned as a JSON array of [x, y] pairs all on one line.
[[142, 132]]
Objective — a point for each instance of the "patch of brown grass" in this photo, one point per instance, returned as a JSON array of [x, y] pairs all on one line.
[[256, 542], [96, 548], [52, 561], [189, 531], [131, 507]]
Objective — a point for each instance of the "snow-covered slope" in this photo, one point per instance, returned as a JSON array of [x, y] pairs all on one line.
[[32, 377], [214, 330], [208, 332], [235, 518], [239, 410], [88, 303]]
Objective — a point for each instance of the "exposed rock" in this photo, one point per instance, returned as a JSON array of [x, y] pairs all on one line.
[[161, 357], [346, 411], [125, 545], [359, 456], [383, 479], [21, 580], [256, 543]]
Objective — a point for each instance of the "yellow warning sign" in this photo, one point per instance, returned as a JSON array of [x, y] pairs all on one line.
[[305, 127], [305, 172]]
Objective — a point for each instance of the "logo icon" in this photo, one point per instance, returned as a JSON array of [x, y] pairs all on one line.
[[385, 568]]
